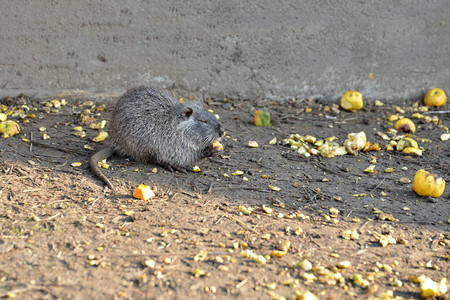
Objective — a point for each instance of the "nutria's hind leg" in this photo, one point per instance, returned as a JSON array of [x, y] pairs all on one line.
[[171, 168]]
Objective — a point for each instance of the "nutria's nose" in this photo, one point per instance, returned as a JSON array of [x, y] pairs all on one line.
[[220, 129]]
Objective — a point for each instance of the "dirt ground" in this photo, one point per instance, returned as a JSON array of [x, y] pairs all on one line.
[[206, 235]]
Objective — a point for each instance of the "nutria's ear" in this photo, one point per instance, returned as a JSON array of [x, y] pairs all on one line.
[[187, 112]]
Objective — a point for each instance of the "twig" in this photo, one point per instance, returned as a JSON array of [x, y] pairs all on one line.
[[32, 190], [292, 117], [381, 181], [73, 172], [49, 218], [31, 143], [241, 284], [242, 224], [241, 188], [210, 188], [436, 112], [434, 243], [221, 217], [223, 208], [359, 252], [344, 121], [58, 201], [362, 226], [13, 293], [9, 170], [70, 151]]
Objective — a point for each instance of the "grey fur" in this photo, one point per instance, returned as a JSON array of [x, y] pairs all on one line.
[[149, 125]]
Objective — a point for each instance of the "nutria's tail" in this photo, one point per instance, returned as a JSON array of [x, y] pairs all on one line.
[[99, 156]]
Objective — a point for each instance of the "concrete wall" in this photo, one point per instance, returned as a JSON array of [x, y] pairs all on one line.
[[265, 48]]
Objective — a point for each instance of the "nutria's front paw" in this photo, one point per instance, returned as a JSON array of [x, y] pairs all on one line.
[[211, 151]]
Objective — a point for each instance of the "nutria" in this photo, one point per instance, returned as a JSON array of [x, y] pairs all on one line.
[[149, 125]]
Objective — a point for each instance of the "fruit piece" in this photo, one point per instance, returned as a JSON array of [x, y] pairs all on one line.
[[150, 263], [378, 103], [196, 169], [305, 295], [412, 150], [371, 147], [355, 142], [9, 128], [370, 169], [237, 173], [103, 164], [284, 245], [201, 256], [267, 210], [304, 264], [428, 185], [55, 103], [277, 253], [334, 211], [384, 240], [102, 135], [80, 134], [350, 235], [143, 192], [100, 125], [399, 110], [393, 118], [405, 143], [352, 100], [217, 145], [252, 144], [385, 216], [445, 136], [383, 135], [430, 288], [310, 139], [405, 125], [417, 279], [262, 118], [86, 119], [404, 180], [271, 286], [344, 264], [417, 116], [435, 97], [198, 272], [274, 188], [359, 280], [442, 286], [245, 210]]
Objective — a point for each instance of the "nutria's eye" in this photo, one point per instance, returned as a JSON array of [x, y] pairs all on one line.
[[188, 112]]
